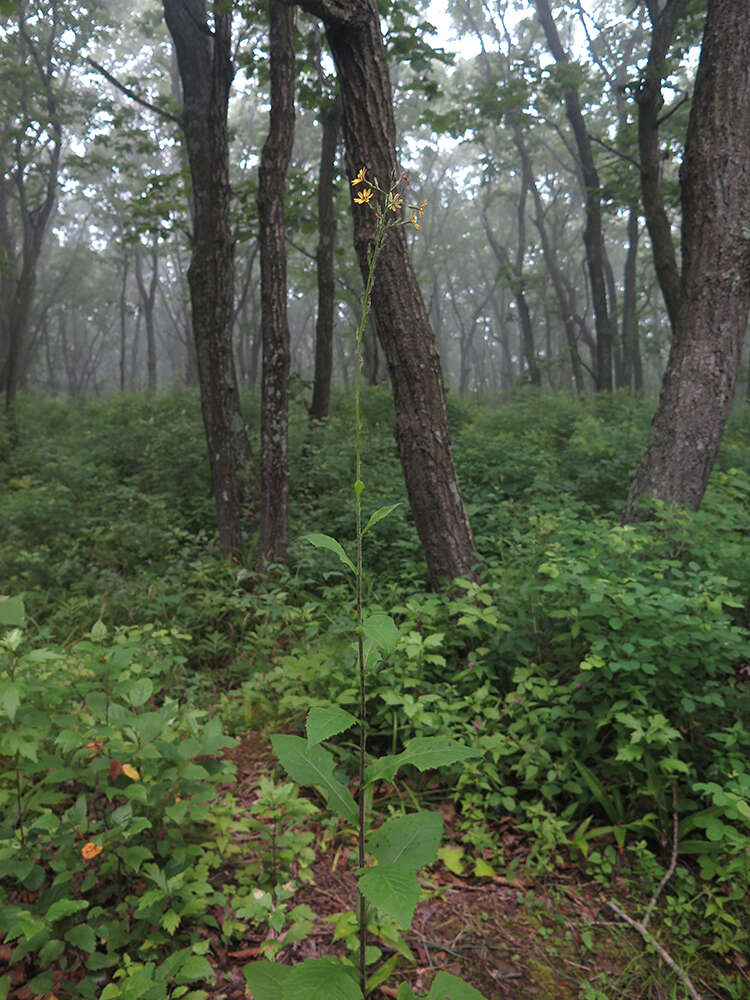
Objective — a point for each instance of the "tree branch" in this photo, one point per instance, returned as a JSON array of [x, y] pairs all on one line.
[[162, 112], [615, 152]]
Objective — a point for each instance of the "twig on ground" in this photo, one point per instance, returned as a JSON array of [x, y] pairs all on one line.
[[642, 926], [672, 864], [650, 939]]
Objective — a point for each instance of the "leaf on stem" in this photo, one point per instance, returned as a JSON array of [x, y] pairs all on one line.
[[408, 840], [313, 765], [424, 752], [392, 889], [321, 541], [378, 515], [322, 723]]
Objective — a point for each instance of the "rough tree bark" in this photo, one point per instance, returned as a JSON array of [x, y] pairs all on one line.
[[321, 397], [274, 422], [714, 302], [403, 328], [593, 237], [203, 57]]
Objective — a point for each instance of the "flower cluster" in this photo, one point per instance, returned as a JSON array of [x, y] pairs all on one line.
[[393, 199]]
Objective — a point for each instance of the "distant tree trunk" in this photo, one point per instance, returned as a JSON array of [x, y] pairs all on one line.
[[550, 258], [274, 420], [123, 364], [321, 397], [631, 368], [650, 102], [715, 284], [422, 434], [203, 48], [36, 197], [148, 302], [514, 273], [593, 237]]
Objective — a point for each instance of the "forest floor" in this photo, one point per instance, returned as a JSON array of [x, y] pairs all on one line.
[[548, 937]]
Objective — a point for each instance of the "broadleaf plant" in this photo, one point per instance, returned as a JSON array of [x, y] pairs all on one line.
[[388, 886]]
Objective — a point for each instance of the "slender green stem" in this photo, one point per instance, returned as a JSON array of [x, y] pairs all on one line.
[[392, 202], [358, 487]]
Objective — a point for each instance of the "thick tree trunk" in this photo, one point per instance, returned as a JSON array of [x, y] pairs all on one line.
[[203, 56], [715, 285], [274, 420], [593, 237], [321, 397], [422, 434]]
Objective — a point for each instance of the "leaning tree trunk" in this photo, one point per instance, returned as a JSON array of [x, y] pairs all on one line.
[[274, 420], [401, 322], [715, 284], [203, 57]]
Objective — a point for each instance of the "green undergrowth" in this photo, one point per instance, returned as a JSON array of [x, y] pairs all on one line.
[[601, 672]]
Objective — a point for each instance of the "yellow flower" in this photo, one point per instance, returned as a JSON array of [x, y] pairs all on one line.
[[363, 197], [421, 207], [131, 772], [414, 221], [359, 179], [395, 201], [91, 850]]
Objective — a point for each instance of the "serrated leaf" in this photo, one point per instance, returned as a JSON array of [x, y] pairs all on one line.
[[378, 515], [424, 752], [313, 765], [321, 541], [266, 979], [65, 908], [170, 921], [448, 987], [320, 979], [195, 967], [82, 936], [10, 699], [139, 691], [12, 612], [322, 723], [427, 752], [411, 840], [392, 889], [381, 631]]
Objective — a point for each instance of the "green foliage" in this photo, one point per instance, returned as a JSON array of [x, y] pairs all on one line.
[[594, 670], [104, 800]]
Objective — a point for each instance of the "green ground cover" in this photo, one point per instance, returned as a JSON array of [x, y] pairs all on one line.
[[600, 672]]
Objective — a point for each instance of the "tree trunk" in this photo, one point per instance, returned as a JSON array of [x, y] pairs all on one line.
[[422, 434], [593, 237], [715, 285], [148, 301], [274, 418], [203, 56], [630, 345], [321, 398], [650, 102]]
